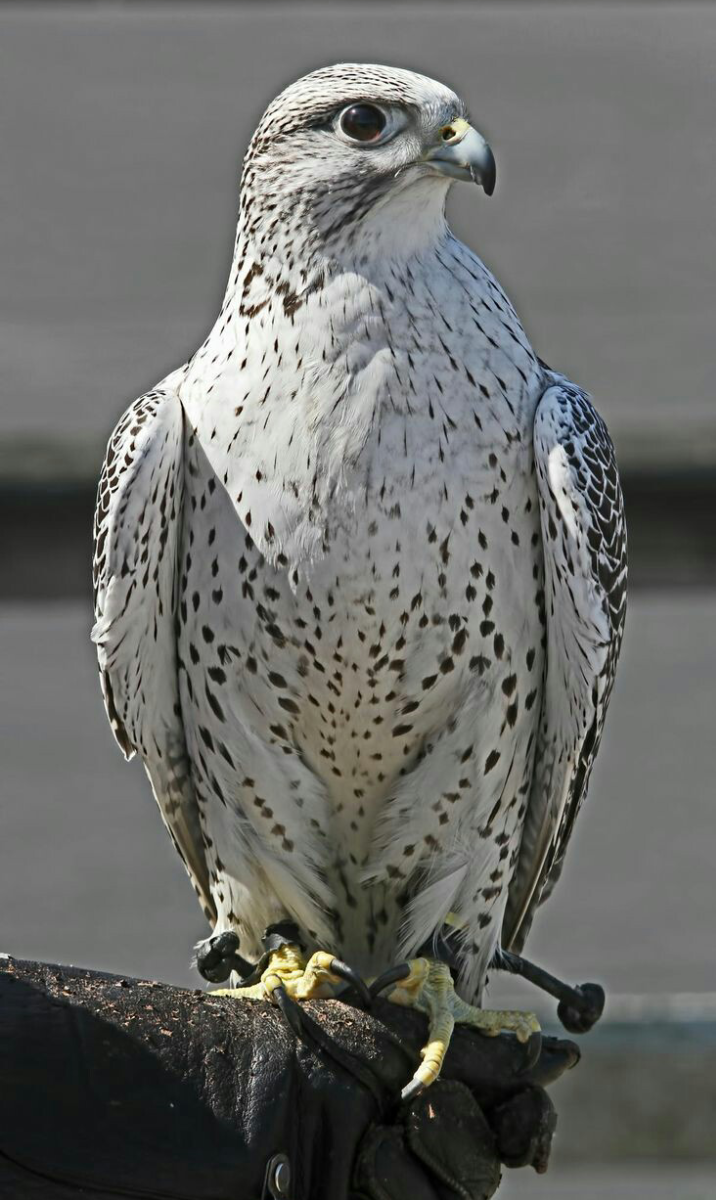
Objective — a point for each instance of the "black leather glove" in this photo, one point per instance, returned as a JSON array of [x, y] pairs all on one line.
[[443, 1147], [124, 1086]]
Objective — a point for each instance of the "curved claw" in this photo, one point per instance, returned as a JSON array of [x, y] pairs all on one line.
[[290, 1009], [255, 973], [344, 971], [392, 975], [412, 1089]]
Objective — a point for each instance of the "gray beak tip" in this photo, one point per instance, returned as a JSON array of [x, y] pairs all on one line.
[[488, 172]]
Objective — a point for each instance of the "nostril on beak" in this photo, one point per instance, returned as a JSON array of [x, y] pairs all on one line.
[[447, 133]]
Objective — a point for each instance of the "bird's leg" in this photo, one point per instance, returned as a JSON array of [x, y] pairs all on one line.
[[427, 985], [284, 973], [579, 1007]]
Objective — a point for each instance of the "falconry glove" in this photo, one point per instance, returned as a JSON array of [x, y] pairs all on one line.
[[121, 1087]]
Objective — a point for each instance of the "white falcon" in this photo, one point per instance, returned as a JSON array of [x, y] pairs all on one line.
[[360, 568]]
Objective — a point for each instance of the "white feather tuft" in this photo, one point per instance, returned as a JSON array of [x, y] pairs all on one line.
[[430, 907]]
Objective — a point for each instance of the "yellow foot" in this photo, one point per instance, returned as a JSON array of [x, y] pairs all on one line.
[[429, 989], [318, 977]]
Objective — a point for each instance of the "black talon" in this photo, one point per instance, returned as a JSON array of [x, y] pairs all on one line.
[[392, 975], [218, 956], [290, 1009], [343, 971], [579, 1007], [254, 975]]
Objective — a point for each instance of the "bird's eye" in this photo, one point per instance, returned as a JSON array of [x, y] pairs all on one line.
[[363, 122]]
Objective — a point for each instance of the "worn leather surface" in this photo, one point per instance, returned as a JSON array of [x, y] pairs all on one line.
[[113, 1086]]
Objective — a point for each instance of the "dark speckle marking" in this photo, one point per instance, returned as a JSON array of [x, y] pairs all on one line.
[[492, 760], [479, 663], [459, 641], [215, 706]]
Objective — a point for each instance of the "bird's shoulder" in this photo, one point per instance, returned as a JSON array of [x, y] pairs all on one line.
[[139, 498], [580, 488]]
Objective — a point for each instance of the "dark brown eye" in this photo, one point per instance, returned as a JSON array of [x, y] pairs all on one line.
[[363, 122]]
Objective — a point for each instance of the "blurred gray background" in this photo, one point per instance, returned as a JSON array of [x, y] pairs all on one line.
[[122, 129]]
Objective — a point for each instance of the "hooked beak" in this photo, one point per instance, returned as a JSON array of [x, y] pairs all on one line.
[[463, 153]]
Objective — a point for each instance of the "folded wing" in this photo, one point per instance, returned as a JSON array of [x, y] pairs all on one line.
[[136, 586], [584, 539]]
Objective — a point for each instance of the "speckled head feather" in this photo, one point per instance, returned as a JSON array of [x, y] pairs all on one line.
[[303, 179], [312, 100]]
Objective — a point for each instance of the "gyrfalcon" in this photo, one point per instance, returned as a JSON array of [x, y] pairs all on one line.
[[360, 568]]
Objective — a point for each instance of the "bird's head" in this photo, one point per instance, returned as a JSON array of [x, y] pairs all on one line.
[[357, 150]]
